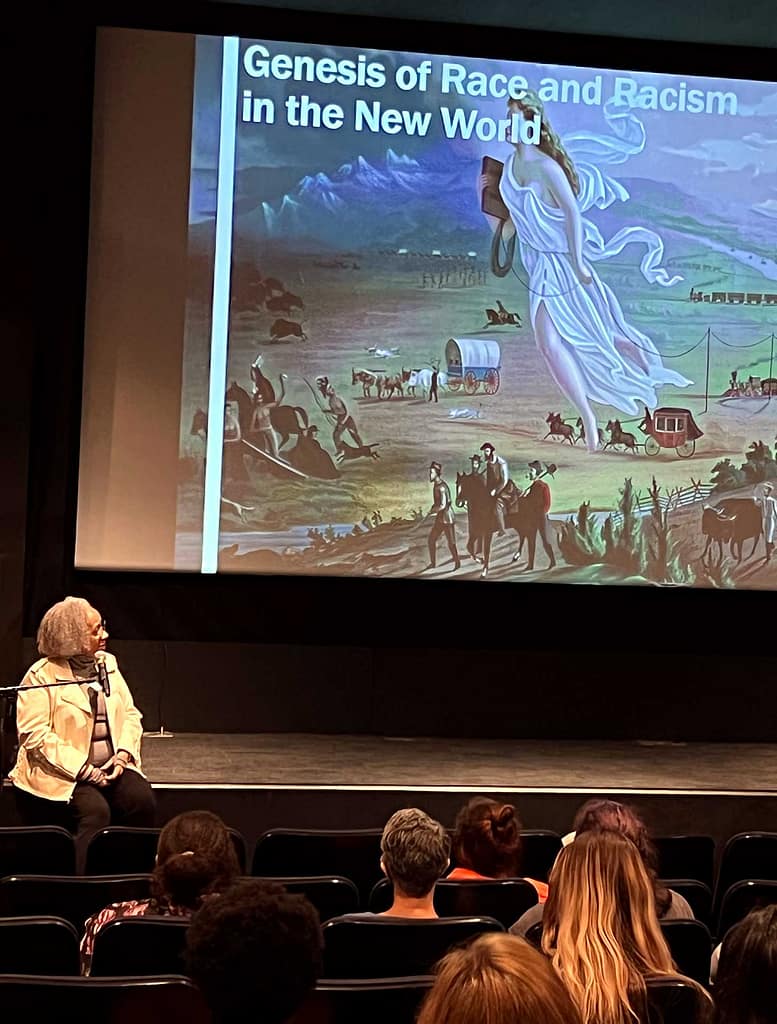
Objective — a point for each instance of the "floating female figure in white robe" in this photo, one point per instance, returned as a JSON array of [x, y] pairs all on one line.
[[591, 350]]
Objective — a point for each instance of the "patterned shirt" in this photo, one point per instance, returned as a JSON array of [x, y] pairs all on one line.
[[130, 908]]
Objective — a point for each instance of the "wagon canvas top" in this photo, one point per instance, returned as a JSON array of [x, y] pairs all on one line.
[[476, 352]]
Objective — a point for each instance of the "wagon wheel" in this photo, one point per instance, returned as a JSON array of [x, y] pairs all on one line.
[[454, 384], [491, 384], [652, 447], [686, 450], [471, 382]]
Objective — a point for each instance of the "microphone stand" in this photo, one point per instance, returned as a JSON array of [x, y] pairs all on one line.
[[8, 692]]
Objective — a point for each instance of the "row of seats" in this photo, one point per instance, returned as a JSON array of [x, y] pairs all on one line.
[[353, 947], [380, 1001]]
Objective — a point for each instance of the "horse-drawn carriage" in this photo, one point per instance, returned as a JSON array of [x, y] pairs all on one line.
[[472, 362], [671, 428]]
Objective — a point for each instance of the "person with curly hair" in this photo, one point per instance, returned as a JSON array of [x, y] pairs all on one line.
[[78, 763], [254, 952], [195, 859], [497, 979]]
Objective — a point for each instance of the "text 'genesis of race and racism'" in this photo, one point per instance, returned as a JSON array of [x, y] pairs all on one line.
[[451, 79]]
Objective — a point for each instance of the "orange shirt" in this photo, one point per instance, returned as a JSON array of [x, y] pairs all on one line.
[[465, 875]]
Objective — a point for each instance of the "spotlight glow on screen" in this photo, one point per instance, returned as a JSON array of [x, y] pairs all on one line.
[[455, 317]]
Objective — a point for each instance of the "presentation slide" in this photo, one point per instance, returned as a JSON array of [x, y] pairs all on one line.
[[459, 318]]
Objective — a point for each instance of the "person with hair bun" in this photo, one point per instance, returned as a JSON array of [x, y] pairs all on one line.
[[497, 979], [78, 763], [487, 844], [195, 860]]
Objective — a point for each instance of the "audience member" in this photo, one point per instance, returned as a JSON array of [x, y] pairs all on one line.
[[255, 952], [497, 979], [415, 852], [487, 843], [746, 980], [601, 929], [195, 859], [599, 816]]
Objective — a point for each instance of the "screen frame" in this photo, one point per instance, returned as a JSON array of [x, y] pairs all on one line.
[[174, 605]]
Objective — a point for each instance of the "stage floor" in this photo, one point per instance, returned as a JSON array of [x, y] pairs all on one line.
[[281, 760]]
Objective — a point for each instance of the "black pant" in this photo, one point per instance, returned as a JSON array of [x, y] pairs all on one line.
[[127, 801], [448, 530]]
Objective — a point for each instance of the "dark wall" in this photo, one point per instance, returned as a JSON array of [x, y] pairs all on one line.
[[391, 657]]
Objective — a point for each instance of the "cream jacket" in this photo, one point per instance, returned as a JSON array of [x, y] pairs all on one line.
[[55, 727]]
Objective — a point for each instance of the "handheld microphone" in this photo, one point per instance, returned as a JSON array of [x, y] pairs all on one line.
[[102, 673]]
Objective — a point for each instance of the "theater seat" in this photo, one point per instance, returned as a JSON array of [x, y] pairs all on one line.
[[746, 855], [743, 897], [353, 854], [120, 850], [674, 1001], [690, 944], [107, 1000], [44, 850], [504, 899], [539, 849], [377, 1001], [686, 856], [75, 898], [330, 895], [391, 947], [38, 945], [135, 946], [697, 894]]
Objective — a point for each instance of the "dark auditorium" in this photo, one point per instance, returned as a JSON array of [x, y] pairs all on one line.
[[301, 724]]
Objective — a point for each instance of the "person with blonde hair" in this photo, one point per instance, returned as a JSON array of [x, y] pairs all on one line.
[[78, 763], [497, 979], [601, 930]]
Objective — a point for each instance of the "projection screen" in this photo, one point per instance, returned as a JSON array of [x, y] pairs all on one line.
[[363, 312]]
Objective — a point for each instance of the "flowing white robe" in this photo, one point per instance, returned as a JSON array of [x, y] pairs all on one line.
[[588, 317]]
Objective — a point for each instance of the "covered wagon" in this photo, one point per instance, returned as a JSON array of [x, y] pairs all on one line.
[[472, 362]]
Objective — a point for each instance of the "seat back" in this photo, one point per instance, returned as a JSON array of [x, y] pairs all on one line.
[[690, 944], [351, 854], [108, 1000], [539, 849], [38, 945], [674, 1001], [75, 898], [504, 899], [119, 850], [390, 947], [330, 895], [743, 897], [686, 856], [39, 850], [135, 946], [697, 895], [379, 1001], [746, 855]]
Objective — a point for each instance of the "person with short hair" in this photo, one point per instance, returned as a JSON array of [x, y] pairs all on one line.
[[78, 763], [254, 952], [415, 853], [768, 506], [497, 979], [487, 844], [746, 979], [601, 930], [195, 859], [444, 518]]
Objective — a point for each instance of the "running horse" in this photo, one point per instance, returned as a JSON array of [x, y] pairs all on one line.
[[525, 517]]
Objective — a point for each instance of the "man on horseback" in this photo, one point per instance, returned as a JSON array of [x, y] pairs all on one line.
[[444, 519], [498, 484]]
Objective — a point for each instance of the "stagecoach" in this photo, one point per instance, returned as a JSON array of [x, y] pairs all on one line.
[[472, 362], [671, 428]]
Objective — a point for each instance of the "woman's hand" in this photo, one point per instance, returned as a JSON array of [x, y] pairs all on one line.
[[93, 775], [115, 767]]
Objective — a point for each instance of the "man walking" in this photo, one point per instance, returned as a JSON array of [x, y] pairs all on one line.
[[444, 520], [540, 490], [497, 479]]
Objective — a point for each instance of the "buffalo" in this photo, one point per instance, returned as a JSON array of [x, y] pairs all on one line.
[[286, 329], [732, 521], [284, 303]]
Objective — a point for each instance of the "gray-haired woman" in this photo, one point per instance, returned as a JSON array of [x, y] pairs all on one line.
[[79, 747]]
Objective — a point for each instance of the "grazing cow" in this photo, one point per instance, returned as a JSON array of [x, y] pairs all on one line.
[[391, 383], [286, 329], [367, 379], [732, 521], [423, 380]]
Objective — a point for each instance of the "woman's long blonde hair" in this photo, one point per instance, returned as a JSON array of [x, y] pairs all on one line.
[[601, 929], [550, 143], [497, 979]]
